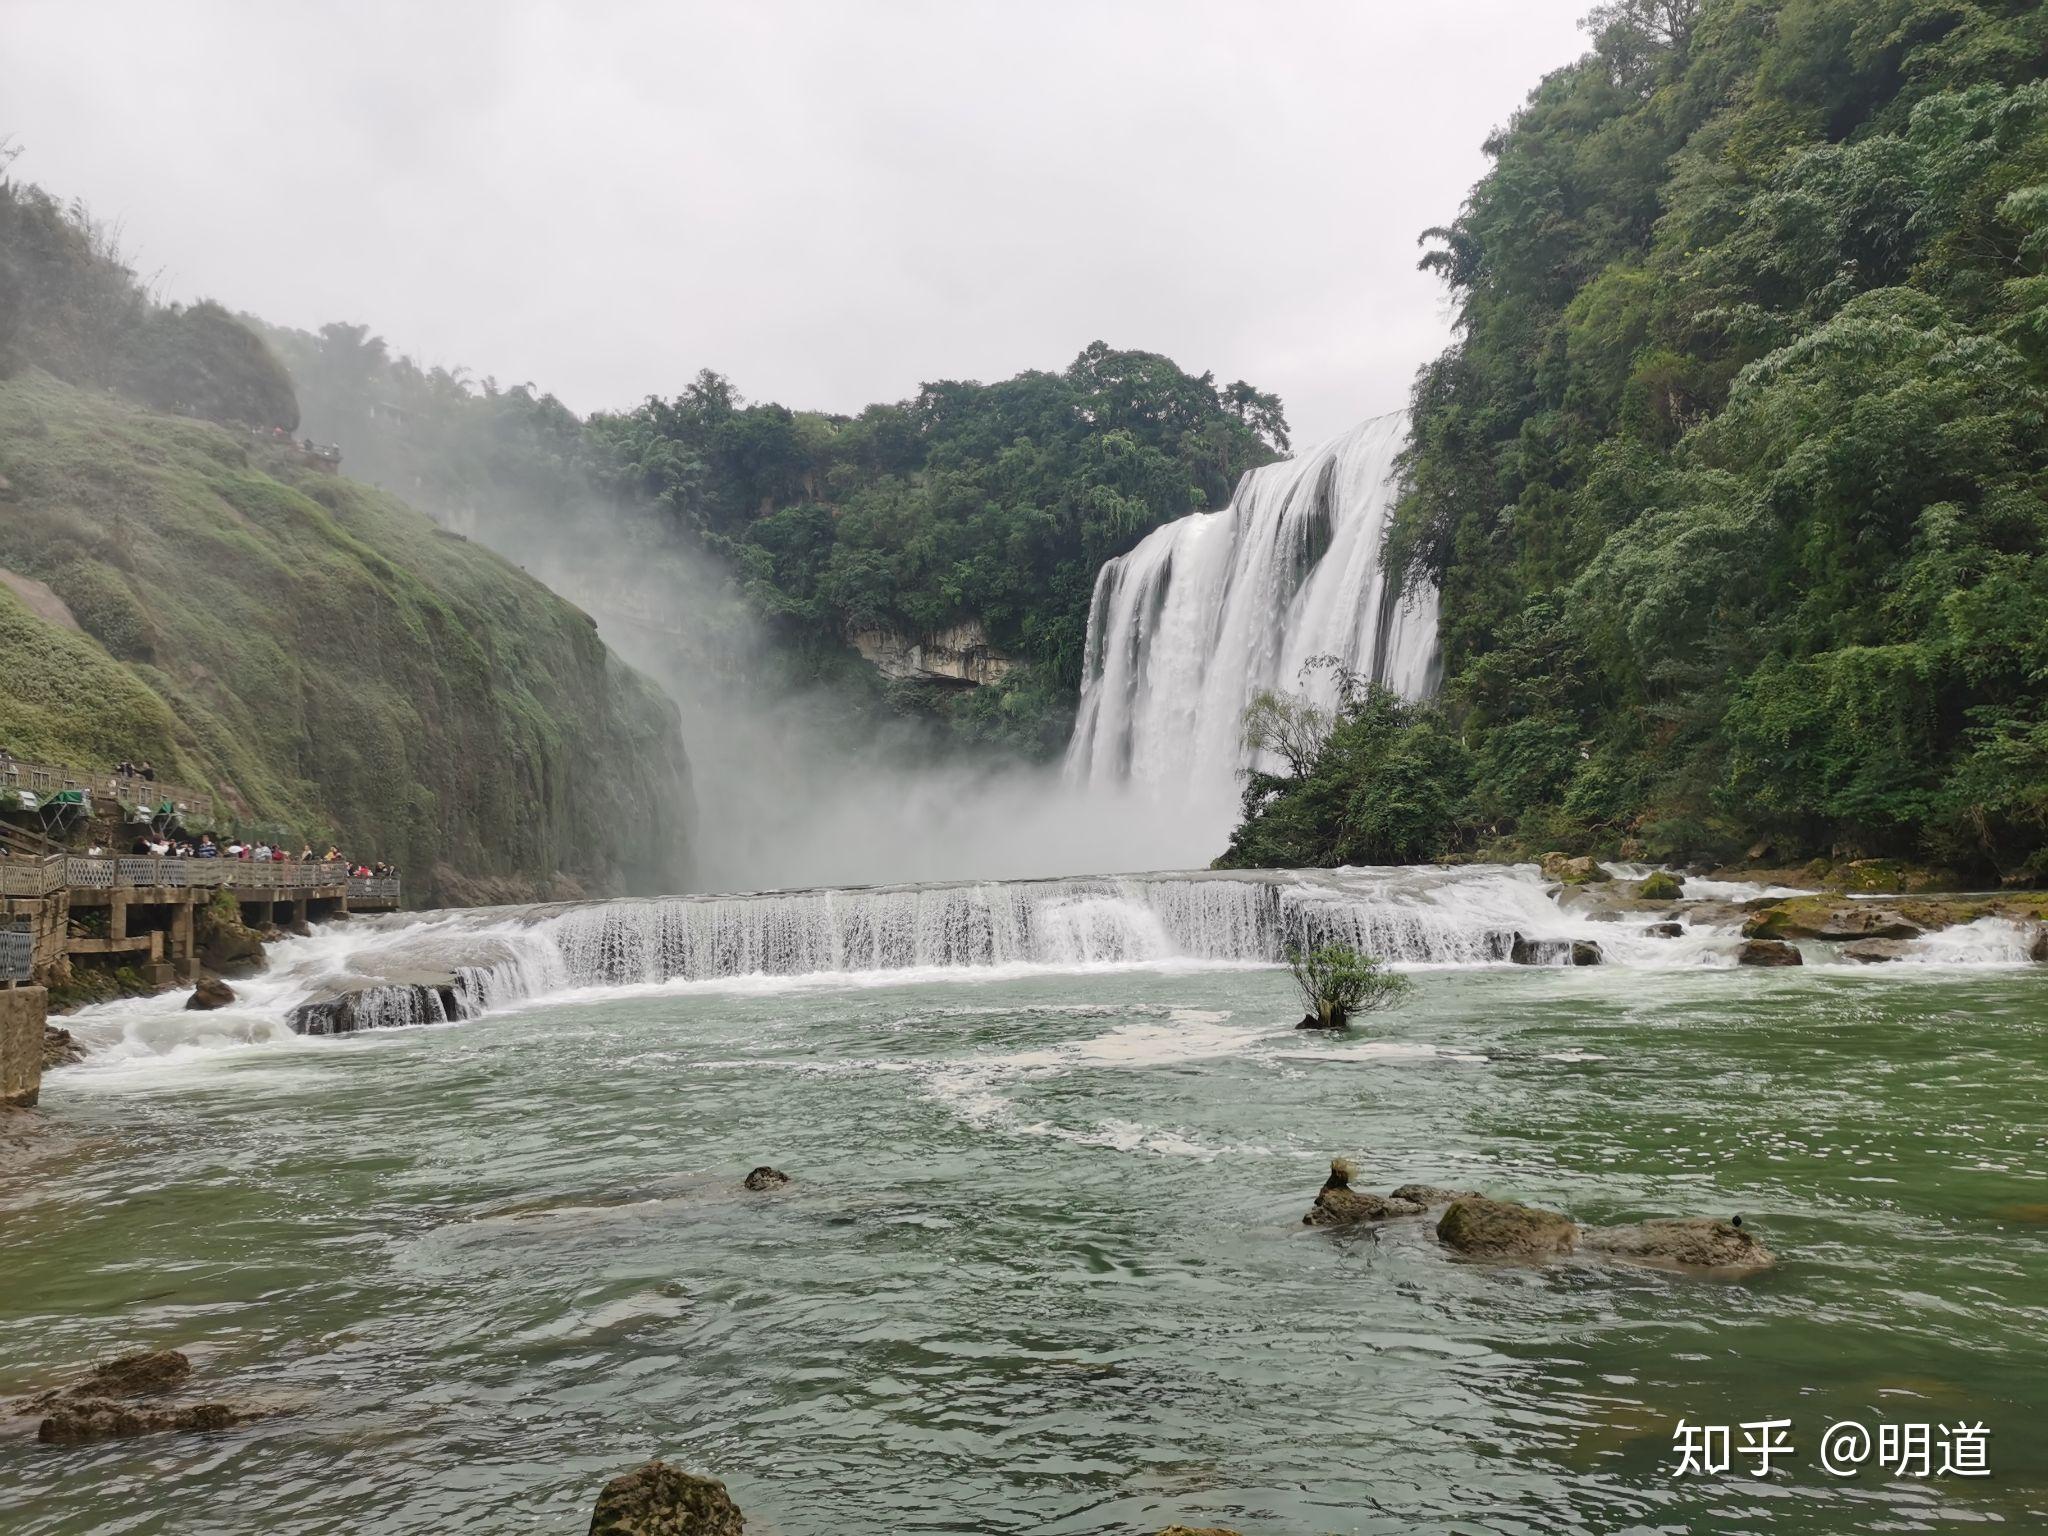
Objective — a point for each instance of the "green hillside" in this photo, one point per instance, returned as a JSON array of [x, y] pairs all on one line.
[[324, 657]]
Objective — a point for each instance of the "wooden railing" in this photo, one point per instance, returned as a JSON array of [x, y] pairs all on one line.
[[44, 779]]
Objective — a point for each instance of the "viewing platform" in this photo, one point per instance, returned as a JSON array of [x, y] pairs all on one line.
[[61, 905]]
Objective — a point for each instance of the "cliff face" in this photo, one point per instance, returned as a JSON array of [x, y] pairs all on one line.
[[960, 655], [325, 658]]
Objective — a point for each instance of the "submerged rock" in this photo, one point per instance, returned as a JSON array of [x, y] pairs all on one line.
[[151, 1370], [1768, 952], [1669, 930], [210, 993], [1875, 951], [1481, 1228], [1339, 1205], [660, 1500], [765, 1177], [1197, 1530], [82, 1421], [1694, 1242], [1661, 885]]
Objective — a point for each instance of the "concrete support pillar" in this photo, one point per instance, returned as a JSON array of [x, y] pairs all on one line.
[[22, 1010], [181, 956], [117, 915]]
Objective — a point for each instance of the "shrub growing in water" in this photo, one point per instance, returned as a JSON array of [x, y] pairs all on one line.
[[1337, 981]]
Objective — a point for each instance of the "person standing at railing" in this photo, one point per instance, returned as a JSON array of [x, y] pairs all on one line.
[[206, 848]]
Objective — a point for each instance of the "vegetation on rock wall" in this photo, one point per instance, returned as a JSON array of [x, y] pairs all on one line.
[[1734, 477], [329, 661]]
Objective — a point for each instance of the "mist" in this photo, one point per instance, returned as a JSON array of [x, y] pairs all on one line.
[[792, 787]]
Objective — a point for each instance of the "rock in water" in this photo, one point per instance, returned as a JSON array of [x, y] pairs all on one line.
[[1431, 1194], [1696, 1242], [1661, 885], [661, 1500], [1197, 1530], [1524, 950], [1666, 930], [1339, 1205], [1768, 952], [2038, 949], [210, 993], [1499, 1229], [761, 1178], [152, 1370], [85, 1420], [1581, 871], [60, 1048], [1875, 951]]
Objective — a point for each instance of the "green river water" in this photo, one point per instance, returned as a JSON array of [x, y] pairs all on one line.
[[1042, 1267]]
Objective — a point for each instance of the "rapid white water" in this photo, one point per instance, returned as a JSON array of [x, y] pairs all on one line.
[[1209, 610]]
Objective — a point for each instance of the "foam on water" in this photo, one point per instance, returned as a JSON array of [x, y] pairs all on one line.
[[450, 966]]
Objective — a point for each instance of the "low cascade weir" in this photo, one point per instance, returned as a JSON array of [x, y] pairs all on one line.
[[487, 960], [1212, 609]]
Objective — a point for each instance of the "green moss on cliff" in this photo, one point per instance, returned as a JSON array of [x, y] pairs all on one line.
[[322, 656]]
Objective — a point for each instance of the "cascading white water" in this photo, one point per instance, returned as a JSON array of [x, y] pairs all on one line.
[[1207, 611]]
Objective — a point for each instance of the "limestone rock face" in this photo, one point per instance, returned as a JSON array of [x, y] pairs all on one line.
[[1694, 1242], [765, 1177], [211, 993], [1500, 1229], [958, 656], [1768, 952], [660, 1500]]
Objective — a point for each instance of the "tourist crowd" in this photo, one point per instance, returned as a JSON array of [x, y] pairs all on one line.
[[151, 845]]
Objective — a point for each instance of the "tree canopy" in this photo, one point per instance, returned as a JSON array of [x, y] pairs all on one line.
[[1733, 478]]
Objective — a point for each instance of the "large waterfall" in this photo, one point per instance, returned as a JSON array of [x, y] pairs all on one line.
[[1219, 605]]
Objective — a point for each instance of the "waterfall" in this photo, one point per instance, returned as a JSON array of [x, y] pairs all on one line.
[[1206, 611], [459, 965]]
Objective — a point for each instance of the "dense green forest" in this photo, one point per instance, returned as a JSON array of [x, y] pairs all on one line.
[[995, 503], [327, 661], [1734, 477]]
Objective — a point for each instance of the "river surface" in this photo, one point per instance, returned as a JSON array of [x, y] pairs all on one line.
[[1041, 1267]]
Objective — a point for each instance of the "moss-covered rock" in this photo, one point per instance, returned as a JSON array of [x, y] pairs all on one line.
[[660, 1500], [1691, 1242], [1661, 885], [1500, 1229]]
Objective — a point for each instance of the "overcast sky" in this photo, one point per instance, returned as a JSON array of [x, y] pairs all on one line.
[[830, 203]]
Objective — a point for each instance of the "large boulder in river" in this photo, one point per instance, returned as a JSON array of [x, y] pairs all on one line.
[[60, 1048], [1481, 1228], [1570, 871], [765, 1177], [1661, 885], [660, 1500], [2037, 943], [210, 993], [224, 941], [1339, 1205], [1768, 952], [1695, 1242]]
